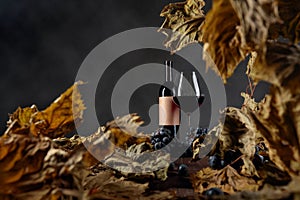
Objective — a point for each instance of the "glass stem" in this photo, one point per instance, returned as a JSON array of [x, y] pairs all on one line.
[[189, 119]]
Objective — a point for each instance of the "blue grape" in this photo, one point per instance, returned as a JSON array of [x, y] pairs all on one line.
[[213, 192], [160, 138], [183, 170], [214, 162], [166, 140]]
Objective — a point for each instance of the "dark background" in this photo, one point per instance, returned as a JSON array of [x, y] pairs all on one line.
[[43, 43]]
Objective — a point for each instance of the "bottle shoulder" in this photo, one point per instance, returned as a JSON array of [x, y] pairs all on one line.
[[167, 89]]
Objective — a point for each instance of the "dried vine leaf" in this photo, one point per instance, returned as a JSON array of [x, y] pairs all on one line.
[[222, 37], [119, 133], [255, 19], [268, 193], [19, 122], [246, 29], [238, 28], [278, 116], [20, 156], [289, 27], [69, 144], [123, 131], [271, 174], [49, 172], [104, 185], [55, 121], [128, 123], [38, 168], [279, 66], [99, 145], [238, 134], [278, 120], [185, 19], [33, 165], [206, 142], [139, 163], [60, 117], [226, 179]]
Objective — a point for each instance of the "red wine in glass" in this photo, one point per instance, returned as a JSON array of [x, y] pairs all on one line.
[[189, 94], [189, 104]]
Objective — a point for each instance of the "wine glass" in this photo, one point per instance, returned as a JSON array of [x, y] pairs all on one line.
[[189, 94]]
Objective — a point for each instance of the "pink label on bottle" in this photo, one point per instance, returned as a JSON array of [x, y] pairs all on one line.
[[169, 111]]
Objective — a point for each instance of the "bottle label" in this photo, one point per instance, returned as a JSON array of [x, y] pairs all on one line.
[[169, 111]]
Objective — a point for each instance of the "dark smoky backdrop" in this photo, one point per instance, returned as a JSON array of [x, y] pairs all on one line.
[[43, 43]]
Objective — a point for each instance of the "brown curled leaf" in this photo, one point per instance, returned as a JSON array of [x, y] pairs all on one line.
[[235, 28], [255, 19], [289, 26], [230, 30], [222, 38], [119, 133], [185, 20], [19, 122], [137, 162], [235, 134], [104, 185], [278, 121], [100, 146], [277, 118], [60, 117], [280, 65], [226, 179], [38, 168], [23, 160], [123, 132]]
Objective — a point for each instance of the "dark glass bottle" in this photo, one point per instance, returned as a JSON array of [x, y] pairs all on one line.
[[169, 110]]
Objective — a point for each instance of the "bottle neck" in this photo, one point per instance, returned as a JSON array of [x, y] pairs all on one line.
[[169, 71]]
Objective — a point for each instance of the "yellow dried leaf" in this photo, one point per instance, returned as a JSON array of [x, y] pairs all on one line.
[[238, 134], [19, 122], [11, 176], [7, 146], [25, 158], [230, 30], [277, 120], [119, 133], [123, 131], [280, 65], [255, 19], [185, 20], [10, 160], [138, 163], [104, 185], [60, 117], [100, 146], [222, 37], [226, 179]]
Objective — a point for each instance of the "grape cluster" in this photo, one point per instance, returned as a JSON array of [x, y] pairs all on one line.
[[160, 138], [230, 157]]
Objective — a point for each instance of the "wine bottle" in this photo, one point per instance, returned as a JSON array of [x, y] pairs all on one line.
[[169, 110]]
